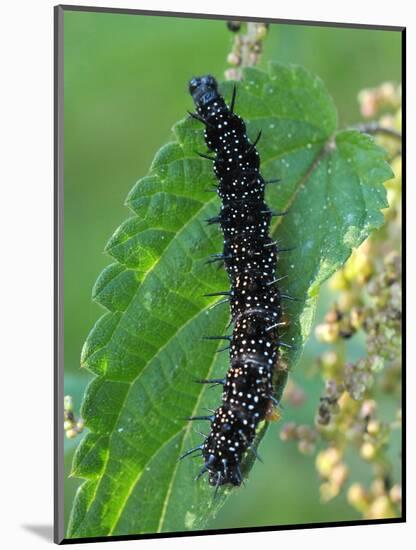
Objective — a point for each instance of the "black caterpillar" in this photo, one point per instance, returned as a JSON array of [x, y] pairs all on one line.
[[250, 260]]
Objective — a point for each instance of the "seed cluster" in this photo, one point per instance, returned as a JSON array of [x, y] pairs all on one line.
[[250, 261]]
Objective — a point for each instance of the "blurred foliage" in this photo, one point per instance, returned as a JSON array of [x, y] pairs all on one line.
[[116, 116], [352, 418]]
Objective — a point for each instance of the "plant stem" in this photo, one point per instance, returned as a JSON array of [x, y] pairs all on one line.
[[246, 50], [376, 128]]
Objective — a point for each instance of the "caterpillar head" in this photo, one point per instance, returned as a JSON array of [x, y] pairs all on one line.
[[203, 89]]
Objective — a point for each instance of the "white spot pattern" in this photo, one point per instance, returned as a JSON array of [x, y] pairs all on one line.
[[250, 260]]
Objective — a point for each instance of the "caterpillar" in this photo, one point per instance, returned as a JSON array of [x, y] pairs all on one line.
[[249, 257]]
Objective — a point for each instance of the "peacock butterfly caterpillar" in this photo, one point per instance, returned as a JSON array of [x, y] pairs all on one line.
[[250, 257]]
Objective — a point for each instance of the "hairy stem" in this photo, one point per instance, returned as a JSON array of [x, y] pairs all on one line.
[[246, 49]]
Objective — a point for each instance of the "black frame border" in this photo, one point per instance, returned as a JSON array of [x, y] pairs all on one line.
[[59, 537]]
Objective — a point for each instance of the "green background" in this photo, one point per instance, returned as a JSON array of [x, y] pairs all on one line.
[[125, 84]]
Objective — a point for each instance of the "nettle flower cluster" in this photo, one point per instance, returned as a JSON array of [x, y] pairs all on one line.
[[247, 46], [72, 425], [352, 416]]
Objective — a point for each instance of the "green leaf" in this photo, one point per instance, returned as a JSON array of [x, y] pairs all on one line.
[[147, 350]]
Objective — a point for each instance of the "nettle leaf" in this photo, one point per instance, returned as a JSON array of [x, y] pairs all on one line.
[[147, 350]]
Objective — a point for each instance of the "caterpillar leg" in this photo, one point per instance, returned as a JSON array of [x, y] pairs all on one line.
[[196, 116]]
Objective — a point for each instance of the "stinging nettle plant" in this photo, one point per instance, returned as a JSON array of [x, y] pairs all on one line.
[[147, 350], [351, 423]]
